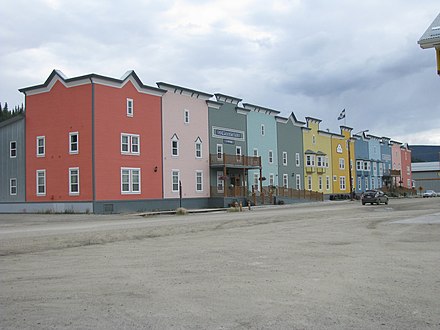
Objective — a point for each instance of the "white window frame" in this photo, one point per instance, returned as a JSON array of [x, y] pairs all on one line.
[[309, 182], [220, 182], [359, 183], [255, 152], [13, 186], [285, 158], [374, 168], [43, 146], [219, 151], [270, 156], [174, 146], [130, 107], [199, 181], [71, 144], [367, 183], [286, 181], [238, 153], [71, 183], [342, 183], [198, 148], [327, 182], [320, 182], [271, 179], [359, 165], [186, 116], [263, 130], [341, 163], [130, 144], [256, 182], [40, 174], [131, 171], [298, 182], [175, 185], [13, 150], [297, 159]]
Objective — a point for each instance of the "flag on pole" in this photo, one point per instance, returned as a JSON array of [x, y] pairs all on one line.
[[342, 115]]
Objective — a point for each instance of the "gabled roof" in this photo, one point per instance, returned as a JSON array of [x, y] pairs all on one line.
[[227, 99], [184, 91], [258, 108], [431, 37], [57, 75]]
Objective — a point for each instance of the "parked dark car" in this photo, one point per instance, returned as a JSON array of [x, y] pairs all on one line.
[[374, 197]]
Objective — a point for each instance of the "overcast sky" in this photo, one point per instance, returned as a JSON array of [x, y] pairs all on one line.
[[312, 57]]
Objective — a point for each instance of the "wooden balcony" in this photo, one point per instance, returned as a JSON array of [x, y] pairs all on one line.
[[310, 169], [237, 161]]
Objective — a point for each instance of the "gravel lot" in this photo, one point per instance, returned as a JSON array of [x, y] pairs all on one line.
[[327, 265]]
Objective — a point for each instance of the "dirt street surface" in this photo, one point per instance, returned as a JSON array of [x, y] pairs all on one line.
[[327, 265]]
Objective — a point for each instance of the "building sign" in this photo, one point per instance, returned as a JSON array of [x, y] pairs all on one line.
[[395, 172], [339, 149], [227, 141], [227, 133]]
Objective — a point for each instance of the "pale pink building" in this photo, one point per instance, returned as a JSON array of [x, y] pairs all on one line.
[[185, 144], [396, 161]]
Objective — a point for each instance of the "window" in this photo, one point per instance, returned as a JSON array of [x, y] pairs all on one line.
[[309, 182], [175, 180], [256, 180], [381, 169], [374, 168], [285, 180], [297, 160], [408, 170], [238, 153], [313, 139], [73, 143], [320, 182], [327, 182], [262, 130], [220, 181], [41, 146], [320, 161], [198, 148], [174, 146], [13, 186], [130, 180], [219, 151], [359, 184], [284, 158], [270, 157], [310, 160], [335, 178], [298, 182], [186, 116], [41, 182], [326, 161], [271, 179], [74, 181], [342, 182], [373, 183], [130, 107], [255, 152], [341, 163], [366, 184], [13, 149], [359, 165], [130, 144], [199, 181]]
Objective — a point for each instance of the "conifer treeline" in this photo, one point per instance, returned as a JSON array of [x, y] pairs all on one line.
[[5, 113]]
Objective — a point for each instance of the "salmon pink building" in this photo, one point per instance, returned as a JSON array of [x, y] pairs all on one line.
[[93, 143]]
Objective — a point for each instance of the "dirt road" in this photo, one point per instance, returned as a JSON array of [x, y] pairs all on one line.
[[331, 265]]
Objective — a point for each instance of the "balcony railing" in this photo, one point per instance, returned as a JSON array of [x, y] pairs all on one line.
[[234, 161]]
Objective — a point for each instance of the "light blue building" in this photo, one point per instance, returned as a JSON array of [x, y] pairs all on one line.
[[262, 141], [385, 150], [374, 149], [363, 165]]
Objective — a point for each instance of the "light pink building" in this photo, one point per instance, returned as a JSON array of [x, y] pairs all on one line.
[[185, 144], [396, 161]]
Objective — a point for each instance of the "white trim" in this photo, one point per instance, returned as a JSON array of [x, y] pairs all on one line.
[[201, 180], [178, 180], [130, 107], [42, 138], [73, 193], [186, 118], [10, 149], [37, 172], [73, 152], [130, 144], [130, 190], [10, 187]]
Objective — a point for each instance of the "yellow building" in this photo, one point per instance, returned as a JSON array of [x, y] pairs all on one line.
[[317, 157], [342, 168]]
